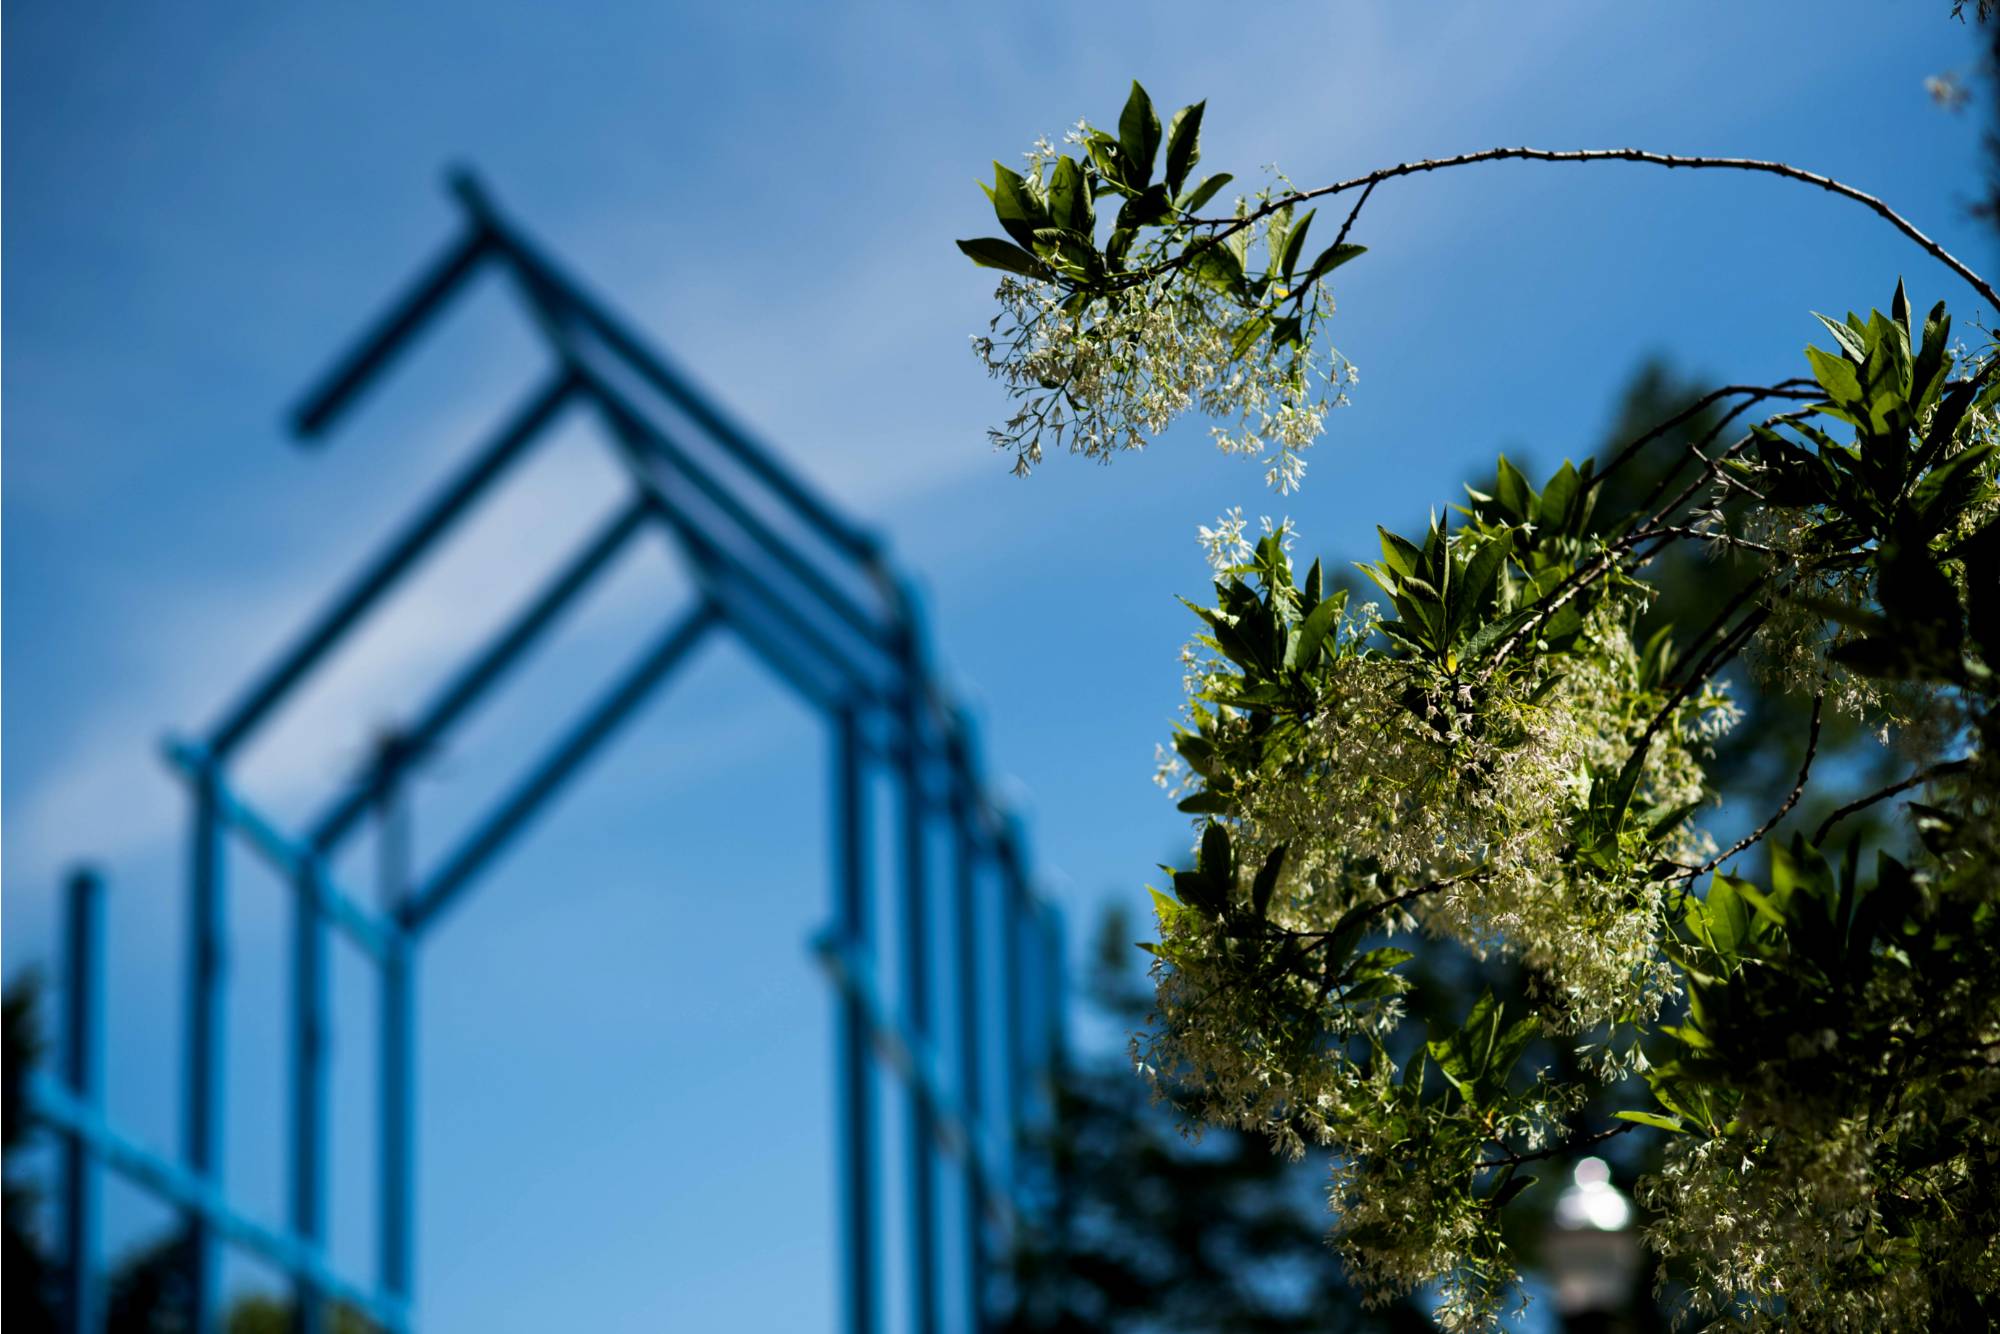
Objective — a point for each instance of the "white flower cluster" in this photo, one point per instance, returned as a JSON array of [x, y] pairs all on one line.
[[1110, 376], [1460, 804]]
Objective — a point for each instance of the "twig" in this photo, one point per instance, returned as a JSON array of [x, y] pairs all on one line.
[[1924, 776], [1354, 213], [1805, 770], [1556, 1150], [1784, 389], [1228, 226]]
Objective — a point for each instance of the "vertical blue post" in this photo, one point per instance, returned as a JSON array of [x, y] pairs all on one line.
[[207, 964], [83, 944], [308, 1089], [1013, 898], [916, 989], [965, 865], [856, 1112], [398, 1098], [396, 1045]]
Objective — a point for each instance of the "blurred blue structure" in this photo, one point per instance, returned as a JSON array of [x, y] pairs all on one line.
[[814, 597]]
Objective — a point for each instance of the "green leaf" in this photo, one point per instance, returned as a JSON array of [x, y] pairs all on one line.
[[1267, 881], [1653, 1119], [993, 253], [1399, 553], [1218, 266], [1849, 341], [1073, 252], [1312, 631], [1330, 259], [1109, 160], [1514, 491], [1247, 335], [1147, 208], [1838, 377], [1201, 194], [1069, 201], [1018, 210], [1183, 145], [1294, 241], [1139, 137], [1206, 803], [1670, 821], [1727, 917], [1558, 499], [1509, 1188], [1215, 860], [1381, 960], [1198, 890], [1475, 587]]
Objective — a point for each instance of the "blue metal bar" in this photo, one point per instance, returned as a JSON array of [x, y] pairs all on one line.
[[631, 427], [709, 556], [855, 1114], [83, 951], [465, 689], [955, 1129], [1013, 902], [197, 1197], [207, 964], [520, 806], [288, 858], [547, 282], [308, 1093], [965, 867], [395, 1201], [917, 1009], [412, 542], [763, 643], [318, 408]]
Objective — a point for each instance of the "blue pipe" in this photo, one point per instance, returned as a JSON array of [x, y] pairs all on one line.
[[82, 1071]]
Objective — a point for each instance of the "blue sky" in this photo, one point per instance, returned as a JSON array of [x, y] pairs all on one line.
[[625, 1115]]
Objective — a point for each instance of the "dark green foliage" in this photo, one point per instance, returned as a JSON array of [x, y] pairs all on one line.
[[1167, 1234]]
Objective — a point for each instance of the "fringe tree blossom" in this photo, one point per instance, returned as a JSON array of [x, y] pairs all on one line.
[[1496, 760]]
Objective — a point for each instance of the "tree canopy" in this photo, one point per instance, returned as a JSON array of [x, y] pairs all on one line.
[[1502, 753]]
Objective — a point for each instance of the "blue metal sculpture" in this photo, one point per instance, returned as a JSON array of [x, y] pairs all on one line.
[[809, 593]]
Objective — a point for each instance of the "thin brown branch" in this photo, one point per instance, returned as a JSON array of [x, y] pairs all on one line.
[[1226, 226], [1794, 388], [1556, 1150], [1914, 780], [1355, 212], [1805, 771]]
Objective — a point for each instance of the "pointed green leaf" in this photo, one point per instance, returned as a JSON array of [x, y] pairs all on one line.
[[1139, 137], [1653, 1119], [1183, 145], [1294, 240], [1069, 200], [993, 253], [1266, 882], [1193, 200]]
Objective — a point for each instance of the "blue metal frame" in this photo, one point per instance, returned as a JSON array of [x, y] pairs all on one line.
[[808, 592]]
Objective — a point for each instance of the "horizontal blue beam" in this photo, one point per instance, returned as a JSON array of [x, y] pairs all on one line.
[[293, 860], [521, 805], [56, 1107]]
